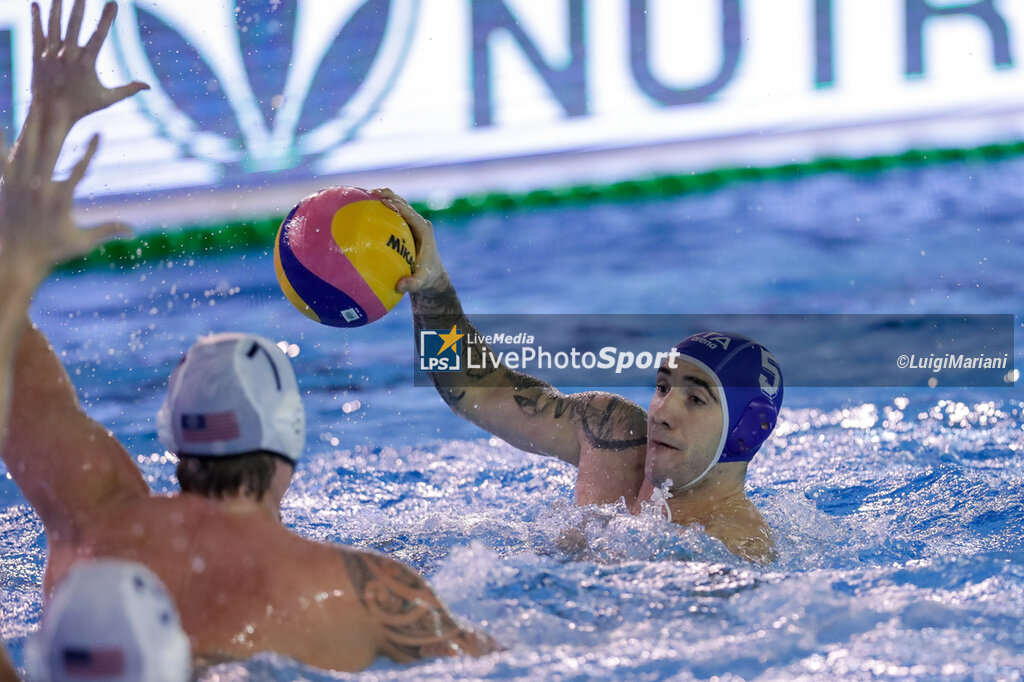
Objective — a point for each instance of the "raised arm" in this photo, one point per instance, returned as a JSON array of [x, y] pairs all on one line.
[[61, 459], [408, 620], [522, 410], [17, 287]]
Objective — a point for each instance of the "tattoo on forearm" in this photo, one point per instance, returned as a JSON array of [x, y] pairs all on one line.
[[444, 303], [416, 624], [442, 310], [451, 395]]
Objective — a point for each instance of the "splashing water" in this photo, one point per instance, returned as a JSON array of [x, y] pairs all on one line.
[[897, 512]]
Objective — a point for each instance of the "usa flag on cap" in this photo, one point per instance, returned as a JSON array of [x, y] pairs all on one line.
[[209, 427], [96, 662]]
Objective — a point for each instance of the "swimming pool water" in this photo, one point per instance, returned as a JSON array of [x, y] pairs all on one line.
[[898, 511]]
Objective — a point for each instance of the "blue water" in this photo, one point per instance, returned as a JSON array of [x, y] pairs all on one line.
[[898, 511]]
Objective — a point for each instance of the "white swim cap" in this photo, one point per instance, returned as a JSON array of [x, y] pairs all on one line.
[[233, 394], [110, 620]]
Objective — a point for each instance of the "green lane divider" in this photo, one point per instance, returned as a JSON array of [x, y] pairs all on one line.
[[206, 240]]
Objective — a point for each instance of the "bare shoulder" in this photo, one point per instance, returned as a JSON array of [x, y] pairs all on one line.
[[745, 533], [411, 620]]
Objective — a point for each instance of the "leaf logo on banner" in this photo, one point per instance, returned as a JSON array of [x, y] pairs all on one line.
[[263, 83]]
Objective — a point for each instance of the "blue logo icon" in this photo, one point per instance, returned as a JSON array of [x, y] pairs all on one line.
[[266, 83], [440, 350]]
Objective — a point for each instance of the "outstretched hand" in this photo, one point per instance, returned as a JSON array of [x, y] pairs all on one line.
[[64, 72], [429, 274], [37, 230]]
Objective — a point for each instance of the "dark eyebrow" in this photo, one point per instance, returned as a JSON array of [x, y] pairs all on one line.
[[691, 380], [697, 381]]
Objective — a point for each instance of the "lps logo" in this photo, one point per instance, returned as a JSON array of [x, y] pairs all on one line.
[[263, 83], [440, 350]]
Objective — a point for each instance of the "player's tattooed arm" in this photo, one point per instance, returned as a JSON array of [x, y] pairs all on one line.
[[518, 408], [441, 309], [608, 421], [521, 409], [413, 623]]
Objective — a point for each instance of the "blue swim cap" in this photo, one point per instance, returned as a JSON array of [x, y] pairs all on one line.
[[751, 389]]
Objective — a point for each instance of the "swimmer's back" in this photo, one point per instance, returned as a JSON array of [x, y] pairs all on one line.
[[243, 583]]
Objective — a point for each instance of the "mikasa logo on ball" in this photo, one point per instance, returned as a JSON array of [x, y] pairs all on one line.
[[267, 83], [402, 249]]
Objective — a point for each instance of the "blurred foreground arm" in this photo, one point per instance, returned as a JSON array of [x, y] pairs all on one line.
[[518, 408], [36, 233], [47, 429], [7, 671]]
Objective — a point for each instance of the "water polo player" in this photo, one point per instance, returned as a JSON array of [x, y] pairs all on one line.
[[242, 582], [710, 413]]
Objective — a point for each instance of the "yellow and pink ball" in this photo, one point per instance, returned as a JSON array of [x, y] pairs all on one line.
[[339, 254]]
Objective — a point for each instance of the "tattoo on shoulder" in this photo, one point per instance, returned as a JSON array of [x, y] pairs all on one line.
[[415, 623], [608, 421]]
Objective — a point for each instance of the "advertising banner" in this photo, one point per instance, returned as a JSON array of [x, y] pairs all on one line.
[[443, 97]]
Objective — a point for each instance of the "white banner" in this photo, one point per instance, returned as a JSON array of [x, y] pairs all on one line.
[[443, 97]]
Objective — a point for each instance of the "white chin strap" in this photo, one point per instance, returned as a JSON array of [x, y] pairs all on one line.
[[660, 497]]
